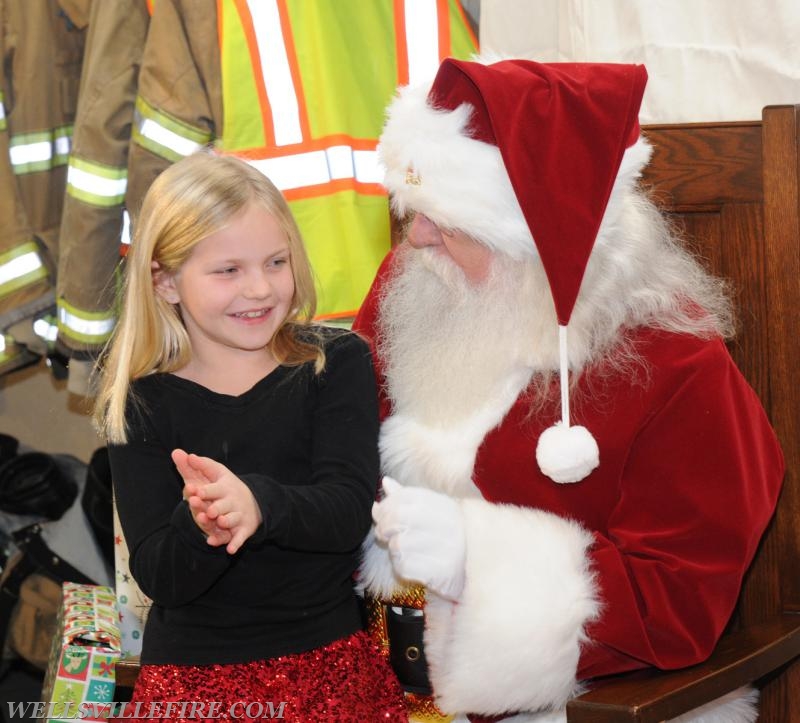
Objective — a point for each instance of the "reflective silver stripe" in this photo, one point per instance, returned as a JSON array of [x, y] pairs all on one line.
[[295, 171], [367, 168], [422, 39], [125, 236], [340, 162], [95, 328], [45, 330], [25, 153], [99, 185], [317, 167], [276, 71], [40, 151], [162, 135], [62, 145], [19, 266]]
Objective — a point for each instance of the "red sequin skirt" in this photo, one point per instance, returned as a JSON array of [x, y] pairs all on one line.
[[348, 681]]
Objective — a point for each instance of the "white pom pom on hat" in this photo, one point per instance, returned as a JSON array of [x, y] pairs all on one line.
[[522, 156], [567, 454]]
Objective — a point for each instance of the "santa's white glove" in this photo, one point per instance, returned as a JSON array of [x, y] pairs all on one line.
[[424, 531]]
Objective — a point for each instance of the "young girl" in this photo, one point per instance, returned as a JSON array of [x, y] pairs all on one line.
[[242, 442]]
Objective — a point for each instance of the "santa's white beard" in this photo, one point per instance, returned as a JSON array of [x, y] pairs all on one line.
[[450, 347]]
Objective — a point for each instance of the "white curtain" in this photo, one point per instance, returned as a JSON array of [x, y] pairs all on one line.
[[707, 60]]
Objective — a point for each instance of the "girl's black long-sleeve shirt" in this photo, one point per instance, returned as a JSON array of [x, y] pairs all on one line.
[[306, 445]]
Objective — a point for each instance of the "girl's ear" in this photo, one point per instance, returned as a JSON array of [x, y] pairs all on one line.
[[164, 284]]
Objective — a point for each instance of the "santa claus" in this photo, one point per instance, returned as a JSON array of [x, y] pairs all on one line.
[[577, 473]]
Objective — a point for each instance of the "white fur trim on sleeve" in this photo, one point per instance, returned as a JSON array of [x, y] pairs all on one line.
[[512, 642], [376, 575]]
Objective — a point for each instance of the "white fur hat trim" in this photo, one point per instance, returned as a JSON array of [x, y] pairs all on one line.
[[432, 166]]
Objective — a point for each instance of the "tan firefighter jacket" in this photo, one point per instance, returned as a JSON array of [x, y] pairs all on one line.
[[42, 44], [93, 216]]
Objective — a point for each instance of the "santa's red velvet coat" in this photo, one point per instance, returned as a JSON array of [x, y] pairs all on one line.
[[640, 564]]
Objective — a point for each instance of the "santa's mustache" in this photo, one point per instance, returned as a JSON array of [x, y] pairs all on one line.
[[447, 342]]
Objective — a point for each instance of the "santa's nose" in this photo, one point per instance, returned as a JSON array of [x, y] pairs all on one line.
[[423, 232]]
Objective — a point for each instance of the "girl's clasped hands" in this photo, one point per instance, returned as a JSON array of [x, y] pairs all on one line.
[[223, 507]]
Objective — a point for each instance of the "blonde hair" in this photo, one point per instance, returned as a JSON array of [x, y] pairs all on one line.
[[189, 201]]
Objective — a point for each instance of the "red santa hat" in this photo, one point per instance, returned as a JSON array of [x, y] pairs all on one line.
[[522, 156]]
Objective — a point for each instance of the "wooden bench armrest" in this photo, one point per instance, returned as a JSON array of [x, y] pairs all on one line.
[[740, 658]]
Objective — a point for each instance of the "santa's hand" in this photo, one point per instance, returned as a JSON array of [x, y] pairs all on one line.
[[424, 531]]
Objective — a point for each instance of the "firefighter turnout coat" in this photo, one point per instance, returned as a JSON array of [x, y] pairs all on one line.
[[93, 218], [41, 42]]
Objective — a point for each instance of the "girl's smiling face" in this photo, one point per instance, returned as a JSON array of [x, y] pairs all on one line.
[[236, 287]]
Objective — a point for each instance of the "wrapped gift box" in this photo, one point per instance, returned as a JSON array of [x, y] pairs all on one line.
[[80, 673]]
